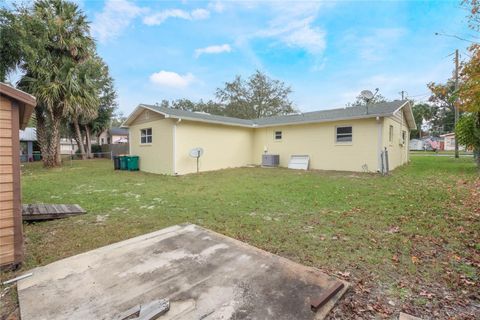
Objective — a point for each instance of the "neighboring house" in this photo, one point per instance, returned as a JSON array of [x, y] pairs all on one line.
[[15, 109], [432, 143], [449, 142], [28, 139], [68, 146], [113, 136], [416, 145], [347, 139]]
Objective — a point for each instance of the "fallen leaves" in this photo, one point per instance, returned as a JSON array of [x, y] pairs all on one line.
[[394, 229]]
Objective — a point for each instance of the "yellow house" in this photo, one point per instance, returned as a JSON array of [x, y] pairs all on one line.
[[346, 139]]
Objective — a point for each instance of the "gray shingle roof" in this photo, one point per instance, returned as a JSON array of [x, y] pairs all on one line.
[[379, 109], [115, 131], [199, 115], [383, 109]]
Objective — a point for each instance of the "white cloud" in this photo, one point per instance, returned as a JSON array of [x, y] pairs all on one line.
[[216, 6], [293, 25], [377, 45], [213, 50], [160, 17], [114, 18], [171, 79], [199, 14]]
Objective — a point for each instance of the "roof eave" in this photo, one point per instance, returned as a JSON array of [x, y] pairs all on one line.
[[410, 119], [324, 120], [135, 113]]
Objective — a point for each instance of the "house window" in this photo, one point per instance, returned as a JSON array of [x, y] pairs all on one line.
[[278, 135], [146, 136], [344, 134], [103, 141], [404, 136], [390, 134]]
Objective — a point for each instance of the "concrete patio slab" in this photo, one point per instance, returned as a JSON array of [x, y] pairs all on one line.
[[204, 275]]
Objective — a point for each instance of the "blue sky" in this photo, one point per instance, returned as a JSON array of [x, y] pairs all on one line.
[[327, 51]]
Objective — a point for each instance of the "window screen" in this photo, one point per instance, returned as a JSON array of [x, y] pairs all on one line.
[[344, 134]]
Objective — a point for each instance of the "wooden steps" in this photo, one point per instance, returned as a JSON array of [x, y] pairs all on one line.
[[33, 212]]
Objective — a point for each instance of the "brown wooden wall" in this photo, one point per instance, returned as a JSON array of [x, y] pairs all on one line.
[[11, 235]]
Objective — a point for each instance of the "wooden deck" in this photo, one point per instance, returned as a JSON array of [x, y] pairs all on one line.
[[32, 212]]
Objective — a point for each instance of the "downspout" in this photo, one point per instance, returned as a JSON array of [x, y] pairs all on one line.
[[129, 143], [174, 151], [403, 146], [379, 143]]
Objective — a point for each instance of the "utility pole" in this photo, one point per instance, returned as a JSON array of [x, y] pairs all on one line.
[[455, 103]]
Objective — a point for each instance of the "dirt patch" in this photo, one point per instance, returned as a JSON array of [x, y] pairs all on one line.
[[9, 303]]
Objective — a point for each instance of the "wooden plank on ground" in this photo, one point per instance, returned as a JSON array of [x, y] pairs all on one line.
[[31, 212]]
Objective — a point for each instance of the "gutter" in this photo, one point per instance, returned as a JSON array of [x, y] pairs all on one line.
[[257, 125]]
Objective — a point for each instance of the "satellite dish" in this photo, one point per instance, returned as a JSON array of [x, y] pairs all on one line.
[[367, 94], [196, 152]]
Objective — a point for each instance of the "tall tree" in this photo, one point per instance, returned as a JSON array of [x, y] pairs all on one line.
[[201, 106], [421, 112], [10, 43], [259, 96], [443, 102], [467, 130], [56, 44], [86, 107], [118, 119], [361, 101], [107, 104]]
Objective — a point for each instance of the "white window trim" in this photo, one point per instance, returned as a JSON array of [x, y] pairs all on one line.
[[342, 143], [146, 136]]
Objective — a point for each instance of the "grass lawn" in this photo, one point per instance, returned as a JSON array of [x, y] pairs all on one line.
[[408, 241]]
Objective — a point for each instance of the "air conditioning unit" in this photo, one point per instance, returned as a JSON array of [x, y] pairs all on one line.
[[401, 142], [270, 160]]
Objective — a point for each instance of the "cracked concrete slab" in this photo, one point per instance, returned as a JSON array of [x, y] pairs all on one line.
[[204, 275]]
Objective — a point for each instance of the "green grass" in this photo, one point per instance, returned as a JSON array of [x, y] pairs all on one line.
[[412, 226]]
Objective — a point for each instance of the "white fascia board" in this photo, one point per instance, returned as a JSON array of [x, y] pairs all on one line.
[[322, 121]]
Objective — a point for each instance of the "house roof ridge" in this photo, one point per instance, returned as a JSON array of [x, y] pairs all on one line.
[[381, 109]]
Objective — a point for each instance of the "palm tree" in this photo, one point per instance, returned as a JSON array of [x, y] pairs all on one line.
[[57, 47]]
